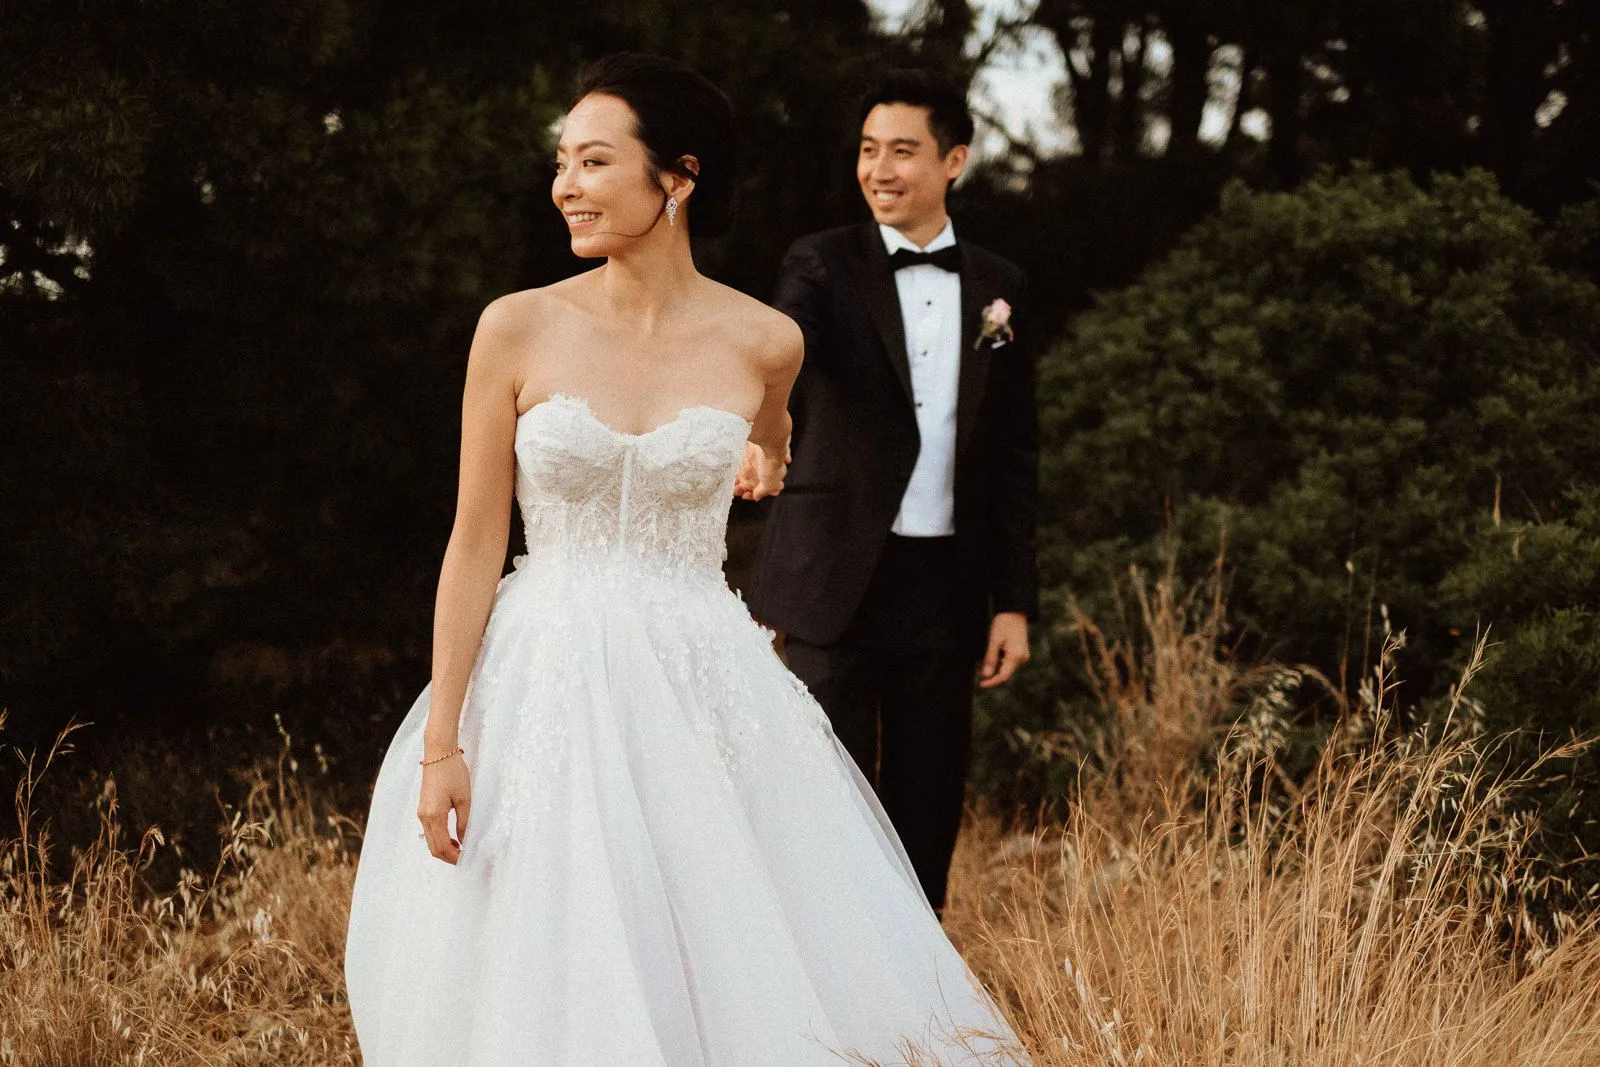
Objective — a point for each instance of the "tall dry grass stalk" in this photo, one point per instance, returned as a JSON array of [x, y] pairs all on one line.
[[1195, 907], [1165, 693]]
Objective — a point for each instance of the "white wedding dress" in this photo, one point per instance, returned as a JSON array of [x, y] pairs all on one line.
[[670, 859]]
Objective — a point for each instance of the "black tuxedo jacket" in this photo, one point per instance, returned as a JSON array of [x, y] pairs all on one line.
[[856, 440]]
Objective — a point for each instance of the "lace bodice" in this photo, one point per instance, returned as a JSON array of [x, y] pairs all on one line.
[[658, 501]]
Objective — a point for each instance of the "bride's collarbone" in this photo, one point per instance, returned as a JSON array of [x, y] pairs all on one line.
[[630, 389], [638, 410]]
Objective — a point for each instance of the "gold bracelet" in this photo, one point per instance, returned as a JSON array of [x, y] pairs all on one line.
[[438, 759]]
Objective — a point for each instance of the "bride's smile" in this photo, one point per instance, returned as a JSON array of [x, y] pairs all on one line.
[[611, 191]]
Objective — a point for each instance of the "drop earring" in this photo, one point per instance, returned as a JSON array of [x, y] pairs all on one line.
[[672, 211]]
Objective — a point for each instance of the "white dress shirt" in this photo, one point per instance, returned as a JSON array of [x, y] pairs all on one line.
[[930, 306]]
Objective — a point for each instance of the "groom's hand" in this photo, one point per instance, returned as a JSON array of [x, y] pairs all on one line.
[[1008, 649]]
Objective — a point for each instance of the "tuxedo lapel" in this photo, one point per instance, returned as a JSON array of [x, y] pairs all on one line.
[[974, 375], [883, 302]]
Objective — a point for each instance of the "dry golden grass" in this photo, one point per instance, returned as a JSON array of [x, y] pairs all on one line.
[[1195, 908], [1198, 908], [1344, 930], [240, 967]]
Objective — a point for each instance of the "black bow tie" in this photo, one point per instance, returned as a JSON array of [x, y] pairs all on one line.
[[947, 258]]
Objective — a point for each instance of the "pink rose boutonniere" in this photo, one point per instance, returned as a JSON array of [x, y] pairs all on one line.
[[996, 325]]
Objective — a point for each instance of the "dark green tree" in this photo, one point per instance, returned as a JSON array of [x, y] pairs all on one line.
[[1423, 84]]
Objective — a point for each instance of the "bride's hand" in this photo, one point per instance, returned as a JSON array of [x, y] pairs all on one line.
[[760, 475], [445, 785]]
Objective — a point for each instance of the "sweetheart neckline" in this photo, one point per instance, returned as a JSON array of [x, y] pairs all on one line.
[[583, 405]]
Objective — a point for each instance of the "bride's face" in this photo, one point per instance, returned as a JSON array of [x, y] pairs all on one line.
[[602, 182]]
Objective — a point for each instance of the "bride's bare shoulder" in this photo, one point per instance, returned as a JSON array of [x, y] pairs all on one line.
[[515, 327], [771, 336], [529, 308]]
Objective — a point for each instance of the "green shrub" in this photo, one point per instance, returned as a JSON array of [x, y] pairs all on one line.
[[1346, 383], [1537, 586]]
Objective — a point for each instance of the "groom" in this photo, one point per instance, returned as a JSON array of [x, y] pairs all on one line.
[[899, 559]]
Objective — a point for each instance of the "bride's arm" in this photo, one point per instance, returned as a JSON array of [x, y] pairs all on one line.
[[477, 548], [765, 465]]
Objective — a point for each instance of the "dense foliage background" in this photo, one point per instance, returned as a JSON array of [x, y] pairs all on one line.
[[244, 246], [1380, 405]]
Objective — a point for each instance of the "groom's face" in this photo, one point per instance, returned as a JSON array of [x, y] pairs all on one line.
[[902, 173]]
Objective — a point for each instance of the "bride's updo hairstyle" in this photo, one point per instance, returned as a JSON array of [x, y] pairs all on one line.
[[679, 113]]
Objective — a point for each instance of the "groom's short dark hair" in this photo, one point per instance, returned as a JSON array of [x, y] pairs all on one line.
[[946, 102]]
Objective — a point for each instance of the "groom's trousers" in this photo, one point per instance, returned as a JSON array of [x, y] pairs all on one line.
[[898, 689]]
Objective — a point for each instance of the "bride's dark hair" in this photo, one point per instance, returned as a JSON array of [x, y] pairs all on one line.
[[680, 113]]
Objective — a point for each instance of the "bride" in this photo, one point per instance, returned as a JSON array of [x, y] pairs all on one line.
[[640, 842]]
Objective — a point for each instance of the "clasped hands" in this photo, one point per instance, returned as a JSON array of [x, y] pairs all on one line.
[[760, 474]]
